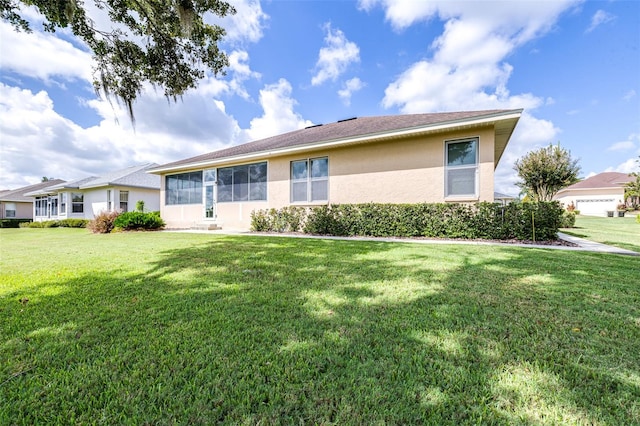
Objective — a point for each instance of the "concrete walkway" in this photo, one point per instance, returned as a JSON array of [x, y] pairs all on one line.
[[581, 243]]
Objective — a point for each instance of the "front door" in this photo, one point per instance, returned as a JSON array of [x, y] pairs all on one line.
[[210, 194]]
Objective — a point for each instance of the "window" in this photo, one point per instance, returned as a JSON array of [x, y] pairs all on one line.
[[10, 210], [109, 200], [461, 168], [310, 180], [42, 206], [243, 183], [77, 202], [124, 201], [53, 205], [184, 188], [63, 203]]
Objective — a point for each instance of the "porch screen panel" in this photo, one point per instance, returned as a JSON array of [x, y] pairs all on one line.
[[184, 188]]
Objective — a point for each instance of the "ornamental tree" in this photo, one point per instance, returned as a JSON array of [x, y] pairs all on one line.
[[546, 171], [166, 43]]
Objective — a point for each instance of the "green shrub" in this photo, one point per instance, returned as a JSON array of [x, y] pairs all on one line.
[[286, 219], [521, 221], [74, 223], [13, 223], [140, 206], [568, 220], [103, 223], [139, 221]]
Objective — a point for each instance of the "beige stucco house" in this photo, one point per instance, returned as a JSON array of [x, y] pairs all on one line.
[[14, 204], [440, 157], [87, 197], [596, 195]]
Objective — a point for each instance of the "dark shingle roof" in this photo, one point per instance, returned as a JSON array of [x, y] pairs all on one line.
[[18, 195], [602, 180], [361, 127]]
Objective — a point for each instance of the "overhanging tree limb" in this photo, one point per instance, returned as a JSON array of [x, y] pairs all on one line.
[[162, 42]]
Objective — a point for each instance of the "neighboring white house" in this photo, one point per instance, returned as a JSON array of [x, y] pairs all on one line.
[[87, 197], [597, 195]]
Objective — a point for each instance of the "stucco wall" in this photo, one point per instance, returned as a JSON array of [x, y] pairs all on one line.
[[410, 170]]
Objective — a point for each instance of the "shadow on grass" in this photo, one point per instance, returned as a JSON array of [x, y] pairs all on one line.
[[281, 331]]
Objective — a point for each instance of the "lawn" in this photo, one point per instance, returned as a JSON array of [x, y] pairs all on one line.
[[173, 328], [623, 232]]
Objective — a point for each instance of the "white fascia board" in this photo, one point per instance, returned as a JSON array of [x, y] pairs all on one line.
[[370, 137]]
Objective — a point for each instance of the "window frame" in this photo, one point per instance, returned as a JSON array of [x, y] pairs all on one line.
[[75, 204], [236, 169], [125, 202], [181, 192], [7, 210], [63, 203], [475, 166], [308, 180]]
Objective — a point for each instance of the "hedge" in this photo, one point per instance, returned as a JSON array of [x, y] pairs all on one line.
[[12, 223], [520, 221], [138, 221], [63, 223]]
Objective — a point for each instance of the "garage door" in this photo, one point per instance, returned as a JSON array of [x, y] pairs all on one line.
[[596, 207]]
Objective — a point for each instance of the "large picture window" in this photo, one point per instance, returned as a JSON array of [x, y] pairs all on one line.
[[310, 180], [184, 188], [242, 183], [461, 168]]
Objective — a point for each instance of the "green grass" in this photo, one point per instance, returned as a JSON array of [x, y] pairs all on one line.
[[170, 328], [623, 232]]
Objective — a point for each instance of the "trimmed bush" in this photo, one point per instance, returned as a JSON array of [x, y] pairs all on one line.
[[520, 221], [13, 223], [286, 219], [568, 220], [103, 223], [64, 223], [130, 221]]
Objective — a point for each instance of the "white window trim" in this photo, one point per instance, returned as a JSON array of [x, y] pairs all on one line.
[[308, 180], [476, 166]]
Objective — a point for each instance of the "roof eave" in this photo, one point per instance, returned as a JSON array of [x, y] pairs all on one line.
[[511, 115]]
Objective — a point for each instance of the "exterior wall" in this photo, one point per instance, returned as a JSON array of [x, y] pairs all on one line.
[[95, 202], [23, 210], [410, 170], [592, 202]]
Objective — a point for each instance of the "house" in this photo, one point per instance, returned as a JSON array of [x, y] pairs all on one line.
[[14, 204], [595, 195], [503, 199], [440, 157], [85, 198]]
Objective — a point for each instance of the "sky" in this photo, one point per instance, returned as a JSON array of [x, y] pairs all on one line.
[[572, 65]]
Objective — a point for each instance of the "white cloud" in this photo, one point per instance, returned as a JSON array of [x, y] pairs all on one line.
[[42, 56], [599, 18], [278, 112], [622, 146], [629, 166], [629, 95], [349, 87], [240, 72], [37, 141], [335, 57], [246, 25], [531, 133], [467, 69]]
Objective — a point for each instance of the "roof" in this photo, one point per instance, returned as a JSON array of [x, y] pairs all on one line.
[[134, 176], [357, 130], [19, 195], [501, 196], [601, 181]]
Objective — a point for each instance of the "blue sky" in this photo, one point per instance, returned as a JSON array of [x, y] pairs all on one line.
[[574, 66]]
